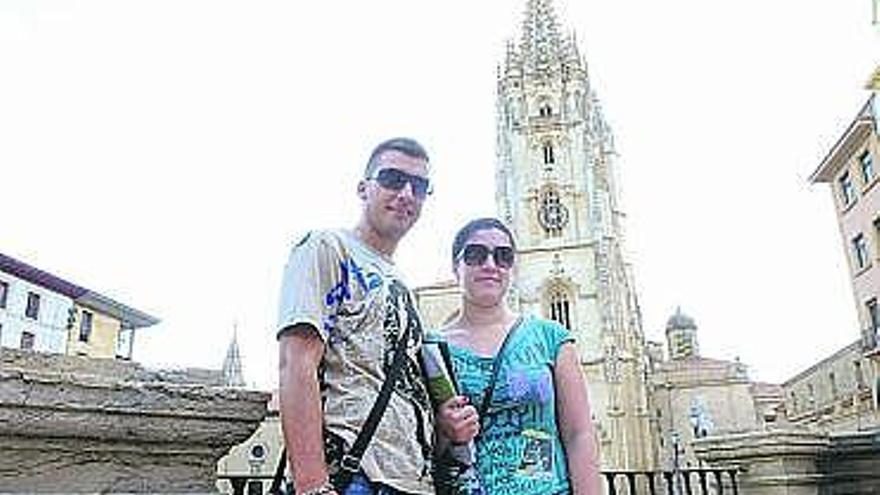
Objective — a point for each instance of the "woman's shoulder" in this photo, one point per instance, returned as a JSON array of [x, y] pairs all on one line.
[[540, 324], [549, 331]]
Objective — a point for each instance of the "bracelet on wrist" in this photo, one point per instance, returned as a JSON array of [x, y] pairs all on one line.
[[324, 489]]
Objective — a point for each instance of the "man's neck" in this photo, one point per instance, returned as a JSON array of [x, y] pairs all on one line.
[[370, 237]]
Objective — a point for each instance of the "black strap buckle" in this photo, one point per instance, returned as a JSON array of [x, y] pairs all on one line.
[[350, 463]]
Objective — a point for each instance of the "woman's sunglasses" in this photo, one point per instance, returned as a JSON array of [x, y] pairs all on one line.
[[477, 254], [395, 180]]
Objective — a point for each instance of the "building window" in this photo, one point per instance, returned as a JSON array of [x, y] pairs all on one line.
[[860, 378], [873, 321], [124, 343], [860, 251], [255, 487], [833, 382], [877, 236], [545, 110], [549, 159], [4, 290], [258, 452], [85, 326], [847, 194], [560, 308], [33, 306], [27, 341], [866, 163]]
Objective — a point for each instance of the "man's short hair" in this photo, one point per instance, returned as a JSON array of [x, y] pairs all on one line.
[[408, 146]]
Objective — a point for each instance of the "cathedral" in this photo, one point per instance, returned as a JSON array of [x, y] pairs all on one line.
[[556, 187]]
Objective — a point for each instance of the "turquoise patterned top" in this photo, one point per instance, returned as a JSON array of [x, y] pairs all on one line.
[[519, 450]]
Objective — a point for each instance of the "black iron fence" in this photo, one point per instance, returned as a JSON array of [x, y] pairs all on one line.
[[684, 482]]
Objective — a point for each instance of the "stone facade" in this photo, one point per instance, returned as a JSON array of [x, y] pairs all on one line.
[[256, 458], [696, 397], [834, 394]]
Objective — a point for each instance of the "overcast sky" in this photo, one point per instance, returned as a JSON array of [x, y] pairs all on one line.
[[166, 153]]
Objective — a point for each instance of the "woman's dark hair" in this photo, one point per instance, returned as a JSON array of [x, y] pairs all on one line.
[[474, 226]]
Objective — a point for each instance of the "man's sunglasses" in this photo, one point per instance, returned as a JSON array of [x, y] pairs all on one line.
[[476, 255], [395, 180]]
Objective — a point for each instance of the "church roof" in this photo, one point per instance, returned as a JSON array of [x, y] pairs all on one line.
[[232, 372], [680, 321]]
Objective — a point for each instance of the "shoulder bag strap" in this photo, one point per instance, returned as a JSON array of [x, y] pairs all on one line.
[[351, 461], [496, 366]]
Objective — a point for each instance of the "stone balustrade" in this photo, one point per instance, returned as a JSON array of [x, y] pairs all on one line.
[[70, 424]]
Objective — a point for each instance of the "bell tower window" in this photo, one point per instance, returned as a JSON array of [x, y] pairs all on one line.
[[545, 110], [549, 159], [560, 307]]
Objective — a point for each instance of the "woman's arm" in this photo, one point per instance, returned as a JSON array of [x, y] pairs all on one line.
[[576, 424]]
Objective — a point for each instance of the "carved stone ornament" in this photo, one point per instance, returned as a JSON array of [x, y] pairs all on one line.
[[553, 216]]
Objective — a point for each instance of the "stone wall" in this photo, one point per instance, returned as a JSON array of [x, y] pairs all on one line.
[[82, 425]]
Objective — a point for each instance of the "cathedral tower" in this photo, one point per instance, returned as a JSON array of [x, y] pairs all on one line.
[[556, 187], [681, 336]]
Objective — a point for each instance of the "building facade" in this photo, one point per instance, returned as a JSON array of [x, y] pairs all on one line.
[[695, 397], [852, 170], [255, 459], [842, 391], [45, 313]]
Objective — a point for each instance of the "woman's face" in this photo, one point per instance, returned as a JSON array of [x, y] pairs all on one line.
[[484, 266]]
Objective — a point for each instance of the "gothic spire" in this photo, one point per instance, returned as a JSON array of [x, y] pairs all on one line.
[[541, 46], [232, 374]]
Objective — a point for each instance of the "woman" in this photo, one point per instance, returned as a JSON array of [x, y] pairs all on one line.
[[535, 432]]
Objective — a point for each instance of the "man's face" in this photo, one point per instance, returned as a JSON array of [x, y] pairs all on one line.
[[392, 200]]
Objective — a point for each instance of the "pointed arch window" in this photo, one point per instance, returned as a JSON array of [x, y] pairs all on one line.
[[545, 110], [560, 306], [549, 158]]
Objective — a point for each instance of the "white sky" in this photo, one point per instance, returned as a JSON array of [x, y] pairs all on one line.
[[165, 153]]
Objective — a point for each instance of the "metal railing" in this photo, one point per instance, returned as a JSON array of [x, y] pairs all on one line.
[[704, 481]]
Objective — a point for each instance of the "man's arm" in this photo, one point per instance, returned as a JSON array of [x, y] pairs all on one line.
[[300, 351]]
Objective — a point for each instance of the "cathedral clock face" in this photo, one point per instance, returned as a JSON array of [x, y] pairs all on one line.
[[553, 216]]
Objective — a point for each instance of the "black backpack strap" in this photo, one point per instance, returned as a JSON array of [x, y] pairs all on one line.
[[351, 460]]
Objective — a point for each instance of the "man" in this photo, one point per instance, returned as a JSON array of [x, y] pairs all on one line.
[[344, 310]]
